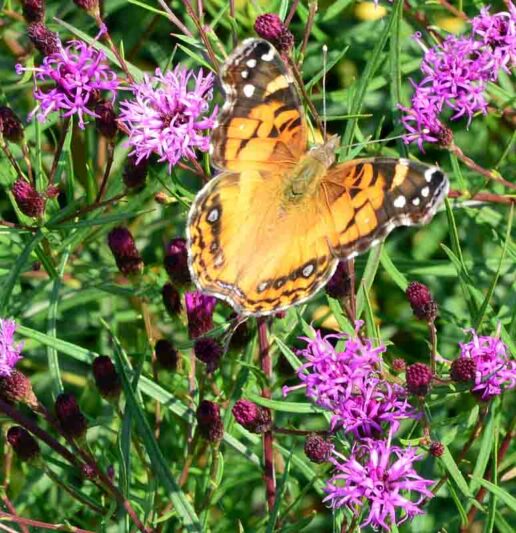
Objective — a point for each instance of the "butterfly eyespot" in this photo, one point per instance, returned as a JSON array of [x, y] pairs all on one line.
[[425, 192], [280, 282], [400, 202], [213, 215], [308, 270]]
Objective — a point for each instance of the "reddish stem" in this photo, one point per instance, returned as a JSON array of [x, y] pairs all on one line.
[[267, 437], [43, 525], [484, 197]]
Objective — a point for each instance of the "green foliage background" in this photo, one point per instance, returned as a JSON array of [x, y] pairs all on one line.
[[74, 304]]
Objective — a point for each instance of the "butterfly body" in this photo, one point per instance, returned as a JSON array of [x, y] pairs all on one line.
[[269, 230]]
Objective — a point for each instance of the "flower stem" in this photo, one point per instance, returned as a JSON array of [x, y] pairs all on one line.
[[107, 171], [433, 343], [267, 437], [43, 525], [59, 150]]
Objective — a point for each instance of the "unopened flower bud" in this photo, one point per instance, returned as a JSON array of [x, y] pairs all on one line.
[[209, 351], [399, 365], [106, 377], [11, 126], [270, 27], [17, 387], [171, 299], [463, 369], [135, 174], [419, 377], [46, 41], [436, 448], [88, 471], [254, 418], [317, 449], [209, 421], [52, 191], [24, 444], [124, 250], [176, 261], [339, 285], [91, 6], [106, 119], [27, 198], [166, 354], [421, 301], [199, 310], [33, 10], [72, 421]]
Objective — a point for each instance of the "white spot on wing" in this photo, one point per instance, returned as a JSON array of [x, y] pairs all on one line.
[[429, 172], [244, 74], [251, 63], [249, 90], [416, 201], [400, 202], [213, 215], [308, 270], [425, 192], [269, 56]]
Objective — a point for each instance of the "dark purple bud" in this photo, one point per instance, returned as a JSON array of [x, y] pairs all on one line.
[[10, 125], [135, 174], [199, 310], [252, 417], [166, 355], [27, 198], [88, 471], [436, 448], [269, 26], [209, 421], [33, 10], [17, 388], [52, 191], [46, 41], [339, 285], [399, 365], [419, 377], [171, 299], [72, 421], [176, 261], [106, 377], [445, 137], [317, 449], [123, 248], [106, 119], [91, 6], [421, 301], [463, 369], [209, 351], [23, 443]]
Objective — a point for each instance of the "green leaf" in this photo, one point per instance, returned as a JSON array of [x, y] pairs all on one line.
[[283, 406], [507, 498]]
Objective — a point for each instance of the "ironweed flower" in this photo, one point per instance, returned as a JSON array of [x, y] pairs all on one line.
[[176, 261], [166, 354], [495, 371], [106, 377], [80, 75], [45, 40], [209, 421], [339, 285], [106, 119], [318, 449], [382, 476], [68, 412], [455, 76], [199, 310], [419, 376], [33, 10], [168, 116], [17, 387], [135, 174], [171, 299], [24, 444], [28, 199], [209, 351], [10, 125], [10, 353], [123, 248], [421, 301], [269, 26]]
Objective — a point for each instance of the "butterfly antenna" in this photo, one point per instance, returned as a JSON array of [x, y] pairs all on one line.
[[375, 141], [325, 64]]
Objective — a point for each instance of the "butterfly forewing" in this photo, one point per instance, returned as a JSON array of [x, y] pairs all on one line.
[[261, 123]]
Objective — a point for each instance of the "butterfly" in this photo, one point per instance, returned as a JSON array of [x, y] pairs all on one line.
[[270, 229]]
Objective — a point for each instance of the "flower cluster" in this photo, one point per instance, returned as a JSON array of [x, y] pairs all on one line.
[[348, 383], [168, 117], [455, 76], [10, 353], [79, 74], [493, 371], [382, 475]]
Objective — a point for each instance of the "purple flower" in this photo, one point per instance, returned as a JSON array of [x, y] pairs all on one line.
[[199, 310], [79, 74], [329, 375], [168, 117], [495, 372], [499, 32], [10, 353], [381, 476]]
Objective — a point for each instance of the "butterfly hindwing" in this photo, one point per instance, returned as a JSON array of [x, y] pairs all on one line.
[[261, 124], [368, 198]]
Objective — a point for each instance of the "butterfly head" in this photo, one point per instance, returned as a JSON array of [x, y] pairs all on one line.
[[325, 152]]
